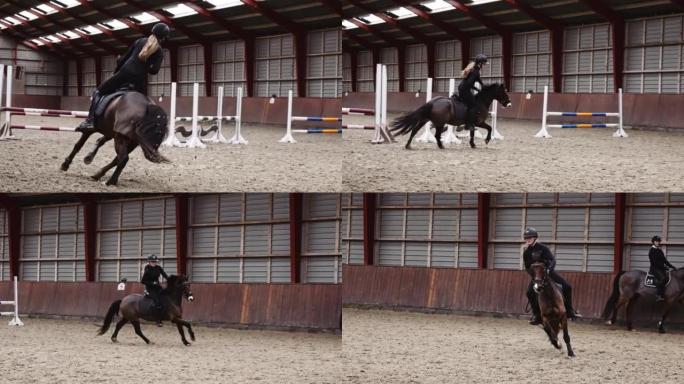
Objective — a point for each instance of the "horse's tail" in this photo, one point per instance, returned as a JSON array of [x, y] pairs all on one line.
[[412, 121], [612, 300], [113, 310], [152, 129]]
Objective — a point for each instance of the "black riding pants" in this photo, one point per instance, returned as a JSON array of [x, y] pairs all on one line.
[[660, 276], [122, 78]]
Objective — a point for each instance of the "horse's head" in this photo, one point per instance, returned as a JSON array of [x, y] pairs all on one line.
[[501, 95], [539, 276], [180, 284]]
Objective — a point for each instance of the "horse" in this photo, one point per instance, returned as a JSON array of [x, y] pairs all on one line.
[[448, 110], [629, 286], [131, 119], [134, 307], [552, 307]]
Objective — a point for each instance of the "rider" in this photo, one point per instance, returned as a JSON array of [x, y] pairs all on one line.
[[538, 252], [659, 267], [143, 57], [150, 280], [467, 88]]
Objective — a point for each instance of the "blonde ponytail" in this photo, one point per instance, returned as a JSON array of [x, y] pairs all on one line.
[[469, 68], [151, 46]]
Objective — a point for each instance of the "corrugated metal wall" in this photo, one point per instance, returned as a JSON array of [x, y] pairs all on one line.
[[4, 247], [229, 66], [108, 66], [650, 214], [89, 81], [390, 57], [426, 229], [190, 69], [531, 63], [324, 63], [43, 74], [416, 68], [653, 55], [448, 62], [161, 82], [52, 246], [578, 227], [275, 66], [365, 72], [72, 82], [346, 72], [352, 228], [129, 230], [490, 46], [321, 227], [239, 238], [588, 59]]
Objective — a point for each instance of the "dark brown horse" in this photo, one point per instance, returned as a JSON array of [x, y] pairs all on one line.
[[136, 306], [628, 287], [131, 120], [554, 317], [447, 110]]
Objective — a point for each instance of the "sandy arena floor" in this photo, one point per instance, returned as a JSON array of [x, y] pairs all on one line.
[[313, 164], [402, 347], [56, 351], [573, 160]]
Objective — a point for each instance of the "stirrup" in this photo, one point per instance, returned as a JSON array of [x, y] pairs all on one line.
[[535, 321]]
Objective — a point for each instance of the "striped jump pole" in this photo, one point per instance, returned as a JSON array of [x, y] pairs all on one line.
[[15, 322], [544, 133], [358, 111], [288, 138], [427, 136], [358, 126]]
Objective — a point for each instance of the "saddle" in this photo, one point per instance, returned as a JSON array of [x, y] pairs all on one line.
[[649, 281], [104, 101]]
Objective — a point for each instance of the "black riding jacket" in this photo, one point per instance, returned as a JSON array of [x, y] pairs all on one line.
[[538, 252], [132, 64], [658, 260], [469, 82], [151, 275]]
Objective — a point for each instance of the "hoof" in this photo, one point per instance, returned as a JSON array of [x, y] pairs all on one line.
[[571, 354], [187, 343], [609, 322], [96, 177], [65, 166], [114, 340], [192, 336], [472, 145], [110, 183], [487, 141], [88, 159]]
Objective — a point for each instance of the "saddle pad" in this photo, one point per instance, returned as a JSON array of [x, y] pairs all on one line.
[[649, 281]]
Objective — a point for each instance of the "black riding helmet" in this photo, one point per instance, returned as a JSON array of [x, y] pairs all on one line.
[[530, 232], [655, 238], [152, 257], [481, 58], [161, 30]]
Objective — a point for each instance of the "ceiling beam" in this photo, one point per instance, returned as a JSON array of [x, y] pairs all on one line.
[[194, 36], [448, 28], [359, 40], [95, 7], [275, 17], [390, 20], [546, 21], [106, 47], [603, 10], [474, 14], [680, 3], [21, 38], [223, 23]]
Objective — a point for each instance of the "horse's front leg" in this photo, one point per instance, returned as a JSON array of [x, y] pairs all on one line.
[[179, 325], [123, 148], [77, 147], [189, 327], [439, 130], [138, 331], [666, 312], [486, 126], [566, 337], [98, 144]]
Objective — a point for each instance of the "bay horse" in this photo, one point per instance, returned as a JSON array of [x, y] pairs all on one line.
[[448, 110], [135, 306], [629, 286], [131, 119], [554, 318]]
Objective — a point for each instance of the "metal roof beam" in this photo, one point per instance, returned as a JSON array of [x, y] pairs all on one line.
[[546, 21], [223, 23], [390, 20], [194, 36], [474, 14], [273, 16]]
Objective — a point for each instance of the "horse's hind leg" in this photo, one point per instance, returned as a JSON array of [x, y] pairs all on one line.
[[666, 312], [179, 325], [566, 337], [77, 147], [187, 325], [489, 131], [621, 301], [104, 169], [439, 130], [629, 310], [120, 324], [138, 331], [413, 133], [472, 136], [99, 143], [123, 148]]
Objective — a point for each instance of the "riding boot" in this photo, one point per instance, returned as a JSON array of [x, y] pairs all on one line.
[[536, 311], [660, 295], [569, 309], [89, 122]]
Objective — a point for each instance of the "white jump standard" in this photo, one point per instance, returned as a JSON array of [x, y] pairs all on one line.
[[382, 134], [15, 322], [288, 138], [543, 132]]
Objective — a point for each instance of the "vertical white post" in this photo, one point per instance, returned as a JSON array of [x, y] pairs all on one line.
[[6, 129], [377, 136], [427, 136], [16, 322], [495, 116], [171, 139], [195, 140], [288, 134], [449, 137], [3, 126], [218, 136], [543, 132], [621, 131], [237, 137], [383, 100]]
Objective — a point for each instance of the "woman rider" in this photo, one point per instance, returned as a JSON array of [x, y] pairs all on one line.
[[143, 57], [471, 77]]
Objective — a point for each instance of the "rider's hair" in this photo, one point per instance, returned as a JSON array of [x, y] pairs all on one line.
[[469, 68], [150, 47]]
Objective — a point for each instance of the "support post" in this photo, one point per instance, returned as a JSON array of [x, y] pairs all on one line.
[[295, 237], [369, 204], [181, 234], [619, 231], [288, 138], [90, 236], [482, 229]]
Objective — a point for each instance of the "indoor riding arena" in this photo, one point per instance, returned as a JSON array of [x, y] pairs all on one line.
[[258, 264], [585, 52], [434, 287], [225, 49]]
